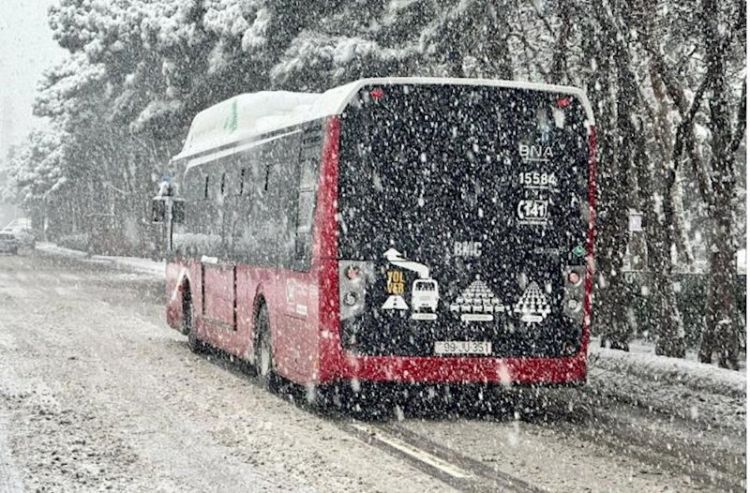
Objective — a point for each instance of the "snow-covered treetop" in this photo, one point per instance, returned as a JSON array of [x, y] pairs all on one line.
[[246, 116]]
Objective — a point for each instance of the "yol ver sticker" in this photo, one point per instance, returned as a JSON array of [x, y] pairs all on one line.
[[425, 291]]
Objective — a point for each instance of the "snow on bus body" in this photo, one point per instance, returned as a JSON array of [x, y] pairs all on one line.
[[249, 115], [305, 304]]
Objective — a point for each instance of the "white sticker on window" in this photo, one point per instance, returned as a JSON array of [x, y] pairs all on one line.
[[533, 305], [477, 303], [532, 211]]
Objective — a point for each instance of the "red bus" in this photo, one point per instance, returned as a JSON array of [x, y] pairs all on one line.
[[407, 230]]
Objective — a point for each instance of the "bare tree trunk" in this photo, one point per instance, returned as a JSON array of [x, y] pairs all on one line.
[[612, 216], [558, 71], [652, 185], [497, 56], [663, 132], [722, 334], [655, 181]]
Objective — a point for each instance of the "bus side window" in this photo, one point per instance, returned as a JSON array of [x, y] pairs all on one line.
[[310, 154]]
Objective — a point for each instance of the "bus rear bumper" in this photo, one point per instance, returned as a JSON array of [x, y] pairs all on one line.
[[455, 370]]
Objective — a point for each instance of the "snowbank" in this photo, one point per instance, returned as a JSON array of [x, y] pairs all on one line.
[[692, 374], [142, 265], [683, 388], [58, 250]]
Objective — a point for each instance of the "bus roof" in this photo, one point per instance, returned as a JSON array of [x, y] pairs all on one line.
[[245, 116]]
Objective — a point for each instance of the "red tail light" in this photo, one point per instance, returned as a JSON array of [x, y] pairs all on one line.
[[352, 272]]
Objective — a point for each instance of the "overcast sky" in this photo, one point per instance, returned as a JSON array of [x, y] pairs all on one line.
[[26, 49]]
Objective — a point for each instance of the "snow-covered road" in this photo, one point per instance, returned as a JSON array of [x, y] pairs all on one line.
[[96, 392]]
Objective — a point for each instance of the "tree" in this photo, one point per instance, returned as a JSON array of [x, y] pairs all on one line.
[[721, 333]]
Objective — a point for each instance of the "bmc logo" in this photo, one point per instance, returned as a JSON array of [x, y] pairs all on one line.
[[535, 152], [467, 249]]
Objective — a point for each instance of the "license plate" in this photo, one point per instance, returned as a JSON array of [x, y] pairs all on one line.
[[463, 347]]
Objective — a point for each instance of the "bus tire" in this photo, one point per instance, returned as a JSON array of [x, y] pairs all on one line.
[[264, 364], [188, 325]]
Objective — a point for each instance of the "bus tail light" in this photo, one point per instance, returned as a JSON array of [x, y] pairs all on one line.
[[574, 292], [354, 280], [352, 272], [350, 299], [377, 93], [574, 305]]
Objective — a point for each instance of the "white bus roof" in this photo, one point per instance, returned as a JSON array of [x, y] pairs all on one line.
[[245, 116]]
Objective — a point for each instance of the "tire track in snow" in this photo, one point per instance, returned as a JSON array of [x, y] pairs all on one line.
[[104, 351], [665, 442], [619, 433], [457, 470]]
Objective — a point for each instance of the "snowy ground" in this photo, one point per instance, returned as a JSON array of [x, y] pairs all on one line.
[[135, 264], [682, 387], [96, 392]]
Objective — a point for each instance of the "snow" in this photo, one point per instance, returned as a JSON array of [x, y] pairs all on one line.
[[742, 261], [114, 401], [249, 115], [10, 477], [638, 376], [682, 388], [245, 116], [137, 264], [254, 38], [698, 376]]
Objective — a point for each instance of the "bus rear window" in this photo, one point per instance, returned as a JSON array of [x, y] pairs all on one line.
[[422, 164]]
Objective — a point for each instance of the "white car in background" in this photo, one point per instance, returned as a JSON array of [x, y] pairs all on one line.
[[8, 243], [24, 236]]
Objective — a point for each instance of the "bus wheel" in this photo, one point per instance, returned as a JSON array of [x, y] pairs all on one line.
[[264, 365], [188, 325]]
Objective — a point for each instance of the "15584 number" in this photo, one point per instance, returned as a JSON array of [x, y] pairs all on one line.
[[536, 179]]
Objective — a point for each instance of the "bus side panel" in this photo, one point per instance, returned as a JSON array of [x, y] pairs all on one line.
[[333, 365], [239, 341], [294, 322], [219, 293], [291, 299], [332, 361]]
